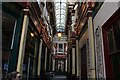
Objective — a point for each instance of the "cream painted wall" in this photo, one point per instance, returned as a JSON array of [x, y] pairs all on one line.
[[106, 10]]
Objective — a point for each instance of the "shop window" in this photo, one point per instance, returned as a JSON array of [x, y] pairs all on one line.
[[113, 34], [110, 40], [84, 63], [114, 37], [31, 55], [8, 26], [116, 29]]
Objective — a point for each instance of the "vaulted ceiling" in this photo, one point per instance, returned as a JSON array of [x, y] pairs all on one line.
[[60, 15]]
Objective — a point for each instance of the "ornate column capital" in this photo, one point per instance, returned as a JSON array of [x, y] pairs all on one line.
[[26, 8], [89, 12]]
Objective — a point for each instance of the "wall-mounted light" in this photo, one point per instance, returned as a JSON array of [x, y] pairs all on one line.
[[32, 35], [59, 34], [93, 5]]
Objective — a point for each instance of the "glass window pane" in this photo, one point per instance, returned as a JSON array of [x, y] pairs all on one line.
[[116, 29], [58, 24], [63, 16], [63, 5], [57, 7], [57, 3], [63, 20], [63, 11], [60, 47], [58, 21], [58, 10], [110, 40], [63, 23], [57, 0], [60, 27], [60, 14], [63, 0], [57, 13]]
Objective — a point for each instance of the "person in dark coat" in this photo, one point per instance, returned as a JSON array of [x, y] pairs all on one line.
[[14, 76]]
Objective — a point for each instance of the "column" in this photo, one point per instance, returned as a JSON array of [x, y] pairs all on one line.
[[49, 62], [22, 44], [45, 58], [15, 45], [28, 68], [53, 65], [66, 65], [1, 45], [73, 61], [77, 57], [91, 44], [35, 61], [39, 59], [69, 55], [79, 60]]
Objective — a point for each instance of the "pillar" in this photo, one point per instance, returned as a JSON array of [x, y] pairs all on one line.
[[15, 45], [35, 60], [50, 58], [1, 47], [73, 60], [22, 44], [28, 67], [53, 65], [77, 58], [91, 44], [45, 58], [39, 59], [69, 55], [66, 65]]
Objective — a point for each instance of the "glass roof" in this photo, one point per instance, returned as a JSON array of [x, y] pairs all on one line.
[[60, 13]]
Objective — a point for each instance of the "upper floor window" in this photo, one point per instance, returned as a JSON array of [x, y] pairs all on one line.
[[60, 47]]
